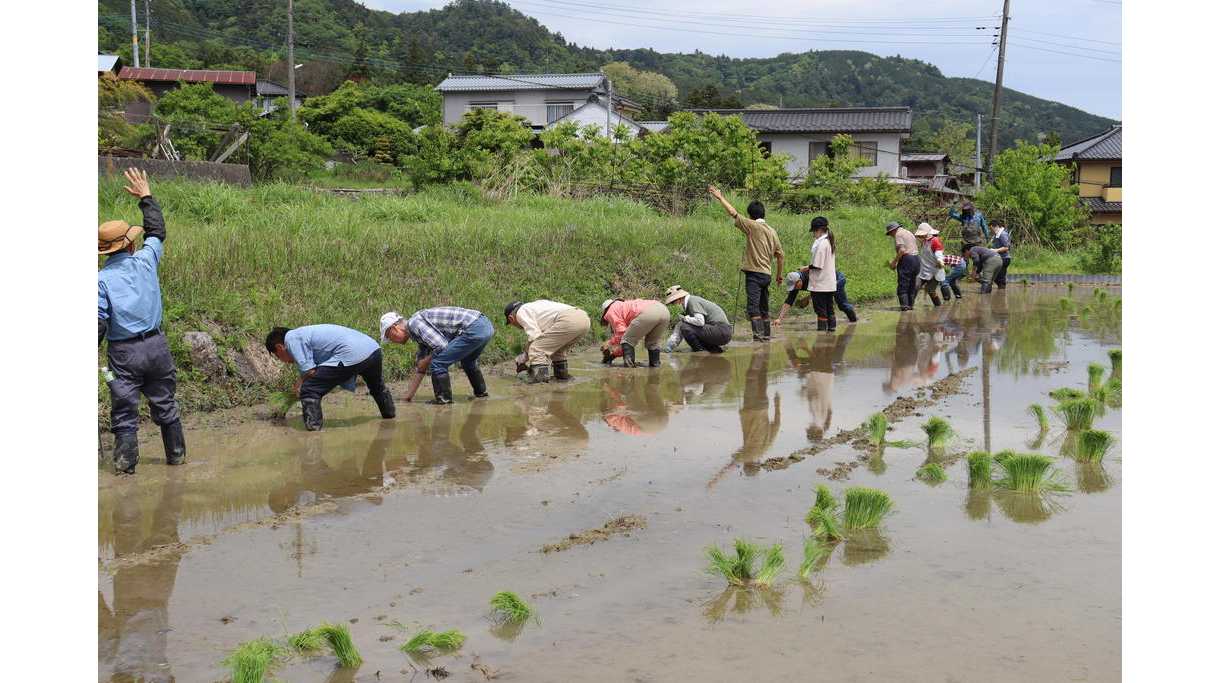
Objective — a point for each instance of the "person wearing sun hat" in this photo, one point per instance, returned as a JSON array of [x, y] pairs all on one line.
[[702, 324], [129, 319], [551, 328], [931, 263], [631, 322]]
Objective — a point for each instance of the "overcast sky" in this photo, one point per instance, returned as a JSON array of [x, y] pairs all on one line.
[[1064, 50]]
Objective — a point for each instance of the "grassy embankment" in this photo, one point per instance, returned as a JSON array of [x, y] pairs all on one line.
[[239, 261]]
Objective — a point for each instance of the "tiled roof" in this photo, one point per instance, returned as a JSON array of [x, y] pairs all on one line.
[[1101, 147], [654, 126], [1099, 205], [823, 120], [919, 156], [188, 75], [520, 82], [271, 89]]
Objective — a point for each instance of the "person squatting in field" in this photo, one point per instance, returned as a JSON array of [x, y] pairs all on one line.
[[702, 324]]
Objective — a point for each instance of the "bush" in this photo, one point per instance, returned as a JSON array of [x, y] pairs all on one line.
[[1103, 249], [374, 134], [437, 158], [282, 150], [198, 118], [1031, 194]]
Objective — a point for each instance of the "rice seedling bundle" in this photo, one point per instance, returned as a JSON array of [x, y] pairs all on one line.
[[932, 473], [340, 640], [1039, 413], [509, 608], [250, 661], [740, 568], [825, 500], [281, 402], [430, 642], [825, 525], [308, 641], [1116, 362], [979, 465], [1094, 444], [938, 430], [863, 508], [815, 553], [1003, 455], [877, 426], [1096, 372], [1078, 414], [1071, 288], [1029, 473], [772, 564], [1067, 394], [1065, 304]]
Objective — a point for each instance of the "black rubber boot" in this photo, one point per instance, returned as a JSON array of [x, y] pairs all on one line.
[[385, 403], [441, 389], [821, 324], [311, 413], [475, 375], [628, 356], [561, 370], [607, 357], [654, 358], [756, 326], [539, 374], [831, 323], [985, 288], [175, 443], [766, 329], [851, 314], [126, 452]]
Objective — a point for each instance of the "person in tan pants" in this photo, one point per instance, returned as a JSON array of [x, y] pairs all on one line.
[[633, 321], [551, 328]]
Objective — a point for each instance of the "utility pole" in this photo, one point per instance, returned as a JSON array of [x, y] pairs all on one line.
[[609, 107], [978, 150], [147, 36], [135, 37], [292, 71], [999, 85]]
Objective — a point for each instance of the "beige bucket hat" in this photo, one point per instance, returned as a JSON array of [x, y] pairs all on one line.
[[924, 230], [115, 235], [674, 293]]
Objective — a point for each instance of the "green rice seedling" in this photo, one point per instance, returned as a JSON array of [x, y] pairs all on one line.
[[1003, 455], [1096, 372], [1114, 392], [740, 568], [772, 565], [903, 443], [250, 661], [939, 432], [1094, 444], [340, 640], [876, 463], [863, 508], [1065, 305], [1029, 473], [1116, 362], [1078, 414], [876, 426], [825, 500], [979, 464], [280, 402], [825, 524], [1067, 394], [1039, 413], [1071, 288], [428, 642], [815, 554], [307, 642], [509, 608], [931, 473]]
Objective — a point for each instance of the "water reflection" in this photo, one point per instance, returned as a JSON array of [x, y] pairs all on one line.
[[450, 463], [741, 599], [865, 546], [632, 402], [1091, 477], [1027, 508], [815, 365], [758, 415], [705, 377]]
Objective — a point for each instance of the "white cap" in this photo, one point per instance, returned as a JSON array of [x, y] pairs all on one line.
[[793, 278], [387, 321], [605, 305]]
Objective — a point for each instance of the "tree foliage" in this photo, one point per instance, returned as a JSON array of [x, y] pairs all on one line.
[[654, 91], [198, 118], [1033, 194], [113, 97]]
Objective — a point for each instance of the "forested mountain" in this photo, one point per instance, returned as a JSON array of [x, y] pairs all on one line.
[[340, 39]]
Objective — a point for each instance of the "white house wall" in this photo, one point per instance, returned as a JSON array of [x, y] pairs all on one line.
[[596, 115], [797, 146], [528, 103]]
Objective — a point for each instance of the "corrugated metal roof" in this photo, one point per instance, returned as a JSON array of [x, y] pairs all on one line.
[[1101, 147], [189, 75], [916, 157], [823, 120], [107, 62], [1099, 205], [462, 83]]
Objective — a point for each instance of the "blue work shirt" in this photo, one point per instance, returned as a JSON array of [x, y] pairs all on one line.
[[328, 346], [128, 292]]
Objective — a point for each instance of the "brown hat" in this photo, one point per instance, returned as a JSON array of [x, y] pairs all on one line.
[[115, 235]]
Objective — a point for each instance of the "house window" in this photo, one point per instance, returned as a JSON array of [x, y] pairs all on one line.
[[558, 110], [866, 151], [765, 147], [1116, 176], [484, 105], [817, 149]]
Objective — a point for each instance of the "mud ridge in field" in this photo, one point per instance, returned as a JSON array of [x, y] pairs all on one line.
[[620, 526]]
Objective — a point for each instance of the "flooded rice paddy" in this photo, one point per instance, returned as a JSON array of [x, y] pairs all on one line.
[[394, 526]]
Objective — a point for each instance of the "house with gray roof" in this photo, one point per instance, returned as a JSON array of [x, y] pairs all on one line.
[[805, 134], [541, 99], [1097, 170]]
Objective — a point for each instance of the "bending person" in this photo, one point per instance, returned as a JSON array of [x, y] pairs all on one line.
[[445, 335], [631, 322], [986, 264], [551, 328], [703, 324]]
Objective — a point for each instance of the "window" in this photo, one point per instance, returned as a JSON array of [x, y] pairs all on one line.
[[866, 151], [484, 105], [558, 110], [817, 149], [1116, 176], [766, 148]]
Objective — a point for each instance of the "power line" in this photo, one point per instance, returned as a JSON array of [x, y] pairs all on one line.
[[1110, 53], [1060, 35], [985, 62], [1027, 46]]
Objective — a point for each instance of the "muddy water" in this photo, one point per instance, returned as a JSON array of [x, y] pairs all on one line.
[[416, 522]]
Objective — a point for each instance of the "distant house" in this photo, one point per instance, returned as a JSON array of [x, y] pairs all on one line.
[[1097, 168], [109, 64], [238, 86], [805, 134], [654, 126], [920, 165], [541, 99], [594, 113], [267, 92]]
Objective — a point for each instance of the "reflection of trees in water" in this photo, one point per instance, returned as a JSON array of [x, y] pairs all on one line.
[[743, 599], [864, 546]]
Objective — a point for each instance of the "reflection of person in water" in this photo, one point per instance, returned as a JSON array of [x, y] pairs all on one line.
[[132, 637], [705, 377], [919, 348], [465, 463], [815, 366], [758, 427], [351, 475]]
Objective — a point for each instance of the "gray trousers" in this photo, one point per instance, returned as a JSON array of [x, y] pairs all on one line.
[[141, 366], [711, 337]]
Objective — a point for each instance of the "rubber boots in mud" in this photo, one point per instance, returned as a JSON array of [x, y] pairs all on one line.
[[654, 358], [756, 326], [607, 357], [767, 329], [126, 452], [311, 413], [629, 356], [175, 443], [385, 403], [475, 376], [441, 390], [561, 370], [539, 374], [821, 324]]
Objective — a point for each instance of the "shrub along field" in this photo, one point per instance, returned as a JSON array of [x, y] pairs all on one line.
[[239, 261]]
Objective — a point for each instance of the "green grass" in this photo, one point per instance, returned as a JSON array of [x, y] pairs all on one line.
[[340, 640], [1038, 260], [939, 432], [815, 553], [1096, 372], [876, 427], [1067, 394], [1078, 414], [428, 642], [979, 465], [864, 508], [250, 661], [509, 608], [1093, 445], [931, 473], [1029, 473], [307, 642], [742, 568]]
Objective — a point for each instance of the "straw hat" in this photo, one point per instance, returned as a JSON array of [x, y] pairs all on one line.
[[674, 293], [115, 235], [924, 230]]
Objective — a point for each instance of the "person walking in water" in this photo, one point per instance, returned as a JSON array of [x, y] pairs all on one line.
[[551, 328], [974, 225], [931, 263], [631, 322], [445, 335], [986, 264], [703, 325], [762, 244], [330, 356], [905, 263], [1001, 243], [129, 317]]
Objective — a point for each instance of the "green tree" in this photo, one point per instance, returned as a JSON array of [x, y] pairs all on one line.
[[957, 140], [280, 149], [655, 91], [198, 118], [113, 96], [1033, 195]]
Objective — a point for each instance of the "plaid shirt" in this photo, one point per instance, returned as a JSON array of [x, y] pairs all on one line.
[[953, 260], [436, 327]]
